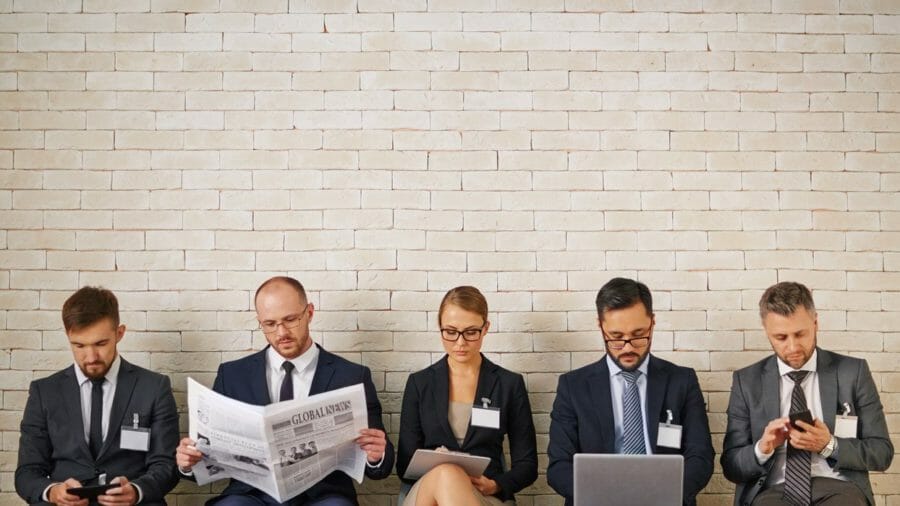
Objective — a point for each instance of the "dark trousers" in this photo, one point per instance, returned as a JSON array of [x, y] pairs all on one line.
[[261, 499], [825, 491]]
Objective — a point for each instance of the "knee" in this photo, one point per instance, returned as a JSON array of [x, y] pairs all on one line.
[[450, 473]]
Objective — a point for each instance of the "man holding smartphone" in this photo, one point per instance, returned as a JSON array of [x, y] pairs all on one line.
[[806, 425]]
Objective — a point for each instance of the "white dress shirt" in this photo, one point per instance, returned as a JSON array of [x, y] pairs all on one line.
[[810, 385], [109, 391], [302, 375], [617, 389]]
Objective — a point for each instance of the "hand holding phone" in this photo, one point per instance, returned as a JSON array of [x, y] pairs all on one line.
[[91, 492], [804, 415]]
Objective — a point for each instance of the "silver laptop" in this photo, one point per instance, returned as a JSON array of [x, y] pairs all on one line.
[[618, 480]]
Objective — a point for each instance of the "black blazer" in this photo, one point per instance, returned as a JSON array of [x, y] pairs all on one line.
[[52, 446], [582, 422], [245, 380], [424, 423]]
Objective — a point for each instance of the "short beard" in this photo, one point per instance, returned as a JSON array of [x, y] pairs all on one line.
[[632, 368]]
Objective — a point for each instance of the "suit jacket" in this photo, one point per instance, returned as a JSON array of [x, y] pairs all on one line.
[[755, 401], [52, 446], [582, 422], [245, 380], [424, 423]]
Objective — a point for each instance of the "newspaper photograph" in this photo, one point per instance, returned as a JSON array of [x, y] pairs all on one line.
[[283, 448]]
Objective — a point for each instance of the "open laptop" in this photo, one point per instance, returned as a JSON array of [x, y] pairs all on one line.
[[618, 480]]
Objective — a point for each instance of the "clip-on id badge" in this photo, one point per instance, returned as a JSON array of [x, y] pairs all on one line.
[[134, 437], [669, 435], [485, 416], [845, 425]]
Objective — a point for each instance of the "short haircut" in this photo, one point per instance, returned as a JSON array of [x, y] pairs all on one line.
[[466, 297], [784, 298], [89, 305], [620, 293], [291, 282]]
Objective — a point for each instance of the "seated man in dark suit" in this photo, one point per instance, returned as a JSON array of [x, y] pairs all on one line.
[[79, 424], [825, 459], [617, 404], [293, 367]]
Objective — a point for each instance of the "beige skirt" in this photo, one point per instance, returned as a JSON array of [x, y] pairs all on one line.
[[485, 501]]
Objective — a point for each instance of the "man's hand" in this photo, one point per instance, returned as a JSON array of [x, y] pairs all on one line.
[[373, 442], [186, 455], [485, 485], [123, 495], [58, 494], [774, 435], [813, 437]]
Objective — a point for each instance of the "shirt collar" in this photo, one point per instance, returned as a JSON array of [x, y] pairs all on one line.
[[810, 365], [307, 359], [111, 375], [614, 368]]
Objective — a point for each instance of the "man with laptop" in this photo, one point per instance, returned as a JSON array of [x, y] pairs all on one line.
[[628, 403], [805, 425]]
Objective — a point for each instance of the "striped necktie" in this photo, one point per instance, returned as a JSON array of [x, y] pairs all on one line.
[[633, 421], [797, 478]]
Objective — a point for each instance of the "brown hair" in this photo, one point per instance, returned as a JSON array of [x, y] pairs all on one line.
[[291, 282], [89, 305], [784, 298], [466, 297]]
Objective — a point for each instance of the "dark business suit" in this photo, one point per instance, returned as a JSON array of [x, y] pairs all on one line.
[[245, 380], [582, 421], [755, 401], [52, 447], [424, 423]]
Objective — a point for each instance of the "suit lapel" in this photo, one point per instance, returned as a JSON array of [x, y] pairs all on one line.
[[487, 378], [124, 389], [657, 381], [71, 398], [441, 374], [601, 398], [324, 372], [259, 389], [771, 389], [828, 387]]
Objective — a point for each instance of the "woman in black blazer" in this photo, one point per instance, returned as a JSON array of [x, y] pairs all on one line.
[[443, 407]]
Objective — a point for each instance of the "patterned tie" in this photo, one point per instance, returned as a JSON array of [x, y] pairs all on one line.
[[95, 434], [287, 384], [797, 480], [633, 430]]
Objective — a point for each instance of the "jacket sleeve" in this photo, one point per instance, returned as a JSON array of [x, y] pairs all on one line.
[[374, 407], [563, 441], [411, 436], [161, 474], [35, 450], [522, 444], [738, 460], [872, 450], [698, 450]]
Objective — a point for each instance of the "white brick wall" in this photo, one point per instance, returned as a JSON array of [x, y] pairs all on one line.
[[179, 152]]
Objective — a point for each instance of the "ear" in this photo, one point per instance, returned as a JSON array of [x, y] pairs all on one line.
[[120, 333], [312, 309], [487, 326]]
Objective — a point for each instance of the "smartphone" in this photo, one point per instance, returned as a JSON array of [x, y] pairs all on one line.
[[804, 415], [91, 492]]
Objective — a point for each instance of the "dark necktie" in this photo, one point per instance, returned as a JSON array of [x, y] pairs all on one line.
[[632, 420], [797, 478], [287, 384], [95, 439]]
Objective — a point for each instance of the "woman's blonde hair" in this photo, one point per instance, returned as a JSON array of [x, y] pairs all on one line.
[[466, 297]]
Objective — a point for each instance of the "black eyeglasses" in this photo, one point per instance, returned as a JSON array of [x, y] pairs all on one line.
[[291, 322], [635, 341], [470, 334]]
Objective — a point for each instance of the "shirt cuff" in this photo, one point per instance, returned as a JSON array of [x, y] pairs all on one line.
[[46, 495], [140, 493], [376, 465], [761, 457], [190, 472]]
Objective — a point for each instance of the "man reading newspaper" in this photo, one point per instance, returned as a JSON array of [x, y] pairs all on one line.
[[293, 367]]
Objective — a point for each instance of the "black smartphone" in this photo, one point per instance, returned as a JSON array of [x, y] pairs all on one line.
[[804, 415], [91, 492]]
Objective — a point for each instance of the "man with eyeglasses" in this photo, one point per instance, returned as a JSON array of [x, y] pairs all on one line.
[[629, 402], [293, 367]]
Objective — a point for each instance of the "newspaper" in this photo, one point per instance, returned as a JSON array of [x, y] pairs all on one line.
[[281, 449]]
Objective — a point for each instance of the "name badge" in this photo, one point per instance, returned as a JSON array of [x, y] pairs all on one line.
[[669, 434], [134, 437], [485, 417], [845, 425]]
